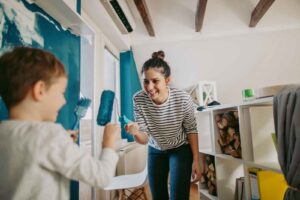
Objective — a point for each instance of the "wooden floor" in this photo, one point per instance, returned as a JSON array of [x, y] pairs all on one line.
[[194, 195]]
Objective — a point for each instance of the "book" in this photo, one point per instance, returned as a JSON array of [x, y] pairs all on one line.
[[254, 191], [272, 185], [239, 189], [243, 191]]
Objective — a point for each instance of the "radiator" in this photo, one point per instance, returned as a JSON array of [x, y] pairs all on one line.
[[132, 158]]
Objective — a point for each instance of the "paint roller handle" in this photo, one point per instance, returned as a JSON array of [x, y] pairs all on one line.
[[124, 120]]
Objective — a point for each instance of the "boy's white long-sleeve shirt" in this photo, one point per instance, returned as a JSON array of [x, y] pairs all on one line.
[[38, 159]]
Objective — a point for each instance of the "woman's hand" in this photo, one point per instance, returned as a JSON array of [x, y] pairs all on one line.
[[132, 128], [73, 134], [196, 172]]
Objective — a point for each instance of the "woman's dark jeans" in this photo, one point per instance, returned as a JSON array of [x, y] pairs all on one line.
[[179, 162]]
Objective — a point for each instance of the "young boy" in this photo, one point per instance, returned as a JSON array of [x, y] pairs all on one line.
[[37, 156]]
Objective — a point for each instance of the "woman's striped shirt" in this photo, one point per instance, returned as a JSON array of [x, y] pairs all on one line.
[[168, 124]]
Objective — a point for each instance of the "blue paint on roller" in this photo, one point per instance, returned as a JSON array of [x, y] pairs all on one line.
[[106, 107]]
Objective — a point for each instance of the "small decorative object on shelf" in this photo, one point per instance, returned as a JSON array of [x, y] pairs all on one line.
[[229, 133], [203, 93], [209, 175], [248, 94]]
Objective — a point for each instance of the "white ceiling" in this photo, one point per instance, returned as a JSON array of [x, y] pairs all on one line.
[[173, 20]]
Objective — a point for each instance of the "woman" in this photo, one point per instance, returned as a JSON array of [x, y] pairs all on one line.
[[165, 120]]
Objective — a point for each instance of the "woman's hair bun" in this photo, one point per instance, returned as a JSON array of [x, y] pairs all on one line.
[[158, 54]]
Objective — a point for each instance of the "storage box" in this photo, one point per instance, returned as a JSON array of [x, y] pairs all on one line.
[[269, 91]]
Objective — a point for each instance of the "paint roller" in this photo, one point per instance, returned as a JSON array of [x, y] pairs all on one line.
[[106, 108]]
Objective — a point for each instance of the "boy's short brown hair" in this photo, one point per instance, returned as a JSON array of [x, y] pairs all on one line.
[[21, 68]]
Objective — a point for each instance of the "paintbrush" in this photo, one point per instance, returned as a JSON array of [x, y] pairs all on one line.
[[80, 110]]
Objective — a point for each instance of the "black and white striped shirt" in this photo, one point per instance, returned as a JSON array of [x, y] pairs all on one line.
[[168, 124]]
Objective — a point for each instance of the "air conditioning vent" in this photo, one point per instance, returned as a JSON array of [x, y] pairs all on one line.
[[119, 12], [121, 15]]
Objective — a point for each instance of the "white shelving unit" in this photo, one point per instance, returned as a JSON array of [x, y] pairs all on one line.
[[258, 150]]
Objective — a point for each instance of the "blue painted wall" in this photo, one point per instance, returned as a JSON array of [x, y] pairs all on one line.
[[62, 43]]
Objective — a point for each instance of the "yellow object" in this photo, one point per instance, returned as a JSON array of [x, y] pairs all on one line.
[[272, 185]]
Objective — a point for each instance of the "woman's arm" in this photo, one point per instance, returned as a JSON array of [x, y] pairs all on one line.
[[196, 170], [190, 127], [137, 128], [193, 140]]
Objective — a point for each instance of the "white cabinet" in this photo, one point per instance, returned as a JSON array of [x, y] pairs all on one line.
[[255, 122]]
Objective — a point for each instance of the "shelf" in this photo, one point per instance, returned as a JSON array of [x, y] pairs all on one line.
[[228, 170], [208, 180], [255, 125], [207, 151], [227, 157], [265, 165], [261, 101], [204, 128], [206, 194], [68, 18], [262, 126], [217, 107]]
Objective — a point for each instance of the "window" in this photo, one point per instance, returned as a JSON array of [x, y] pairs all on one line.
[[112, 80]]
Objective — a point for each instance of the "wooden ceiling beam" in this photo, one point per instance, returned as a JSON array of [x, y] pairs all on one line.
[[201, 7], [144, 12], [259, 11]]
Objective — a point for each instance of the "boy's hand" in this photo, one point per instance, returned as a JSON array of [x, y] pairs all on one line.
[[73, 134], [132, 128], [111, 131]]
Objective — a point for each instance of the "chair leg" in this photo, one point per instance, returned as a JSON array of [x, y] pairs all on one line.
[[144, 193], [121, 194]]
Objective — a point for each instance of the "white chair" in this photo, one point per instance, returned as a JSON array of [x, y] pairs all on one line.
[[131, 186]]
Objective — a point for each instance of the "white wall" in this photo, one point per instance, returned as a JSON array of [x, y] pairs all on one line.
[[72, 4], [236, 61], [97, 13], [95, 78]]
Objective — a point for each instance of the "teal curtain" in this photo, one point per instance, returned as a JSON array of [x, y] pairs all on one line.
[[3, 110], [130, 84]]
